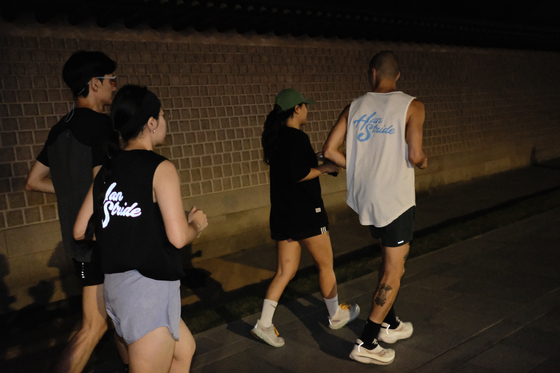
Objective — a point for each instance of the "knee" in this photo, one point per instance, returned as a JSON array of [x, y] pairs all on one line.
[[286, 273], [393, 276], [324, 265], [94, 326]]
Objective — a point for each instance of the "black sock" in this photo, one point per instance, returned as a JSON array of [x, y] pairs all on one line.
[[370, 333], [125, 367], [391, 319]]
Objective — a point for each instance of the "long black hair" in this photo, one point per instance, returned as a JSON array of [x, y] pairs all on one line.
[[276, 119]]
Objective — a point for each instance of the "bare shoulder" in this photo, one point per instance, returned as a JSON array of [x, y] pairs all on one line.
[[165, 170], [415, 111], [416, 106]]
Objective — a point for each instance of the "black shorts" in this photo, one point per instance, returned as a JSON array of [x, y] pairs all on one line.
[[297, 234], [90, 272], [398, 232]]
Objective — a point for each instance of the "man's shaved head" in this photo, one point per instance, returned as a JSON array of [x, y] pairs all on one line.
[[385, 64]]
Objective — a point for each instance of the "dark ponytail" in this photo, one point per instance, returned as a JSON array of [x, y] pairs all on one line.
[[274, 121]]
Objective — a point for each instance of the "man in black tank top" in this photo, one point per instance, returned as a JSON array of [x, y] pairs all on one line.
[[66, 166]]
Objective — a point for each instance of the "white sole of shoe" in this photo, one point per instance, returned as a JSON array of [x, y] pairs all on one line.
[[369, 360], [263, 337], [388, 338]]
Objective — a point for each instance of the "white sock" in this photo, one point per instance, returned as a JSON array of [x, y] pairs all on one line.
[[269, 306], [332, 305]]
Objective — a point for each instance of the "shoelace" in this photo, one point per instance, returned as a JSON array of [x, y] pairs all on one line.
[[276, 331], [344, 306]]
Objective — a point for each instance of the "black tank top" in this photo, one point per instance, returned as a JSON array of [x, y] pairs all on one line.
[[128, 224]]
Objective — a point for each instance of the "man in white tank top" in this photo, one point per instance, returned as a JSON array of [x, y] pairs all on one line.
[[383, 133]]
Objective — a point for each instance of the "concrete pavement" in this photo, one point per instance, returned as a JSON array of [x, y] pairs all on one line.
[[488, 304]]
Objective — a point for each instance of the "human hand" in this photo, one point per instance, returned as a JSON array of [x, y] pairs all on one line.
[[424, 164], [198, 217], [330, 168]]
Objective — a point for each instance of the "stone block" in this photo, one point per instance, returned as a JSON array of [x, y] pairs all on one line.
[[32, 239]]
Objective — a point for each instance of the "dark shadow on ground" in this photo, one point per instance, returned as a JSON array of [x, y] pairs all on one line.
[[316, 321]]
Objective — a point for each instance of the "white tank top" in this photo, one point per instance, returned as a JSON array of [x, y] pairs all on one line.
[[379, 179]]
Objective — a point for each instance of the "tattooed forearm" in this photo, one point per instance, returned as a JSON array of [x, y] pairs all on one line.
[[381, 296]]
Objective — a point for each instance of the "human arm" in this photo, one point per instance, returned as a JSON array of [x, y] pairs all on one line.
[[326, 167], [335, 140], [413, 136], [38, 179], [168, 196], [82, 220]]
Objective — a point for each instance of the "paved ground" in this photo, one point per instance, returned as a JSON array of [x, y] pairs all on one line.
[[488, 304]]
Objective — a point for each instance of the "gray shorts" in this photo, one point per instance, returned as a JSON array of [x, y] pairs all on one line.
[[137, 304]]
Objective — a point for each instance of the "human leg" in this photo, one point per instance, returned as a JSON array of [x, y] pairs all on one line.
[[320, 249], [153, 353], [94, 324], [184, 350], [289, 253], [390, 282], [366, 349], [122, 348]]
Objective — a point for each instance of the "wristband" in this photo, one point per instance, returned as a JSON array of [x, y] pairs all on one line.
[[197, 227]]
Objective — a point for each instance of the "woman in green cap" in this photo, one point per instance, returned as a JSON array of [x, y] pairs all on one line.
[[297, 212]]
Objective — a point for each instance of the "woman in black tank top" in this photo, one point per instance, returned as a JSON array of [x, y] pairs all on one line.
[[139, 224], [297, 212]]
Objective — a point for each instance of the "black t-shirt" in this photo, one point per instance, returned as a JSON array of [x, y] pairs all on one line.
[[71, 152], [89, 128], [295, 204], [128, 224]]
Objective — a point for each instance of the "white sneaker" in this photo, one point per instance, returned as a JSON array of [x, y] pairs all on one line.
[[269, 335], [378, 355], [403, 331], [344, 314]]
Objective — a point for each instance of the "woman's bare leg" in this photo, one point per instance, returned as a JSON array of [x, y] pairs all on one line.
[[289, 254], [184, 350], [153, 352], [321, 250]]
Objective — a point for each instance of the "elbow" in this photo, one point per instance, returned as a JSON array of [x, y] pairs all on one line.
[[179, 241], [78, 234], [328, 152], [29, 186]]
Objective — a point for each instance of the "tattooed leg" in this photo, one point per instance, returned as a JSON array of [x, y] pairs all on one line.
[[381, 294], [390, 280]]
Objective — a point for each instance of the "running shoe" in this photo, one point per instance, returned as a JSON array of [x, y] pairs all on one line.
[[403, 331], [377, 355], [268, 335], [344, 314]]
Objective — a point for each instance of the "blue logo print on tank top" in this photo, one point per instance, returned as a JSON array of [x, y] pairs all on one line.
[[370, 125]]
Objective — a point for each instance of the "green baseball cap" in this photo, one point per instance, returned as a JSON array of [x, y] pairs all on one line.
[[289, 98]]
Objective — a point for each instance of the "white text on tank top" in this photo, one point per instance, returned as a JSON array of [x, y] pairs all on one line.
[[113, 205], [380, 179]]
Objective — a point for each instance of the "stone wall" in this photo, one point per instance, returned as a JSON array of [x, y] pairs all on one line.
[[487, 111]]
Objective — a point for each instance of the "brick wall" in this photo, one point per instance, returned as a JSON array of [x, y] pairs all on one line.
[[487, 111]]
